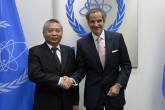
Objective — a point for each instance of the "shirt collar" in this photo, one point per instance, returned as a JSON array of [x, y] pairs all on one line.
[[58, 46], [102, 36]]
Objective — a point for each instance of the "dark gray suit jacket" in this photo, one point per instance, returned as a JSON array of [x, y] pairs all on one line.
[[43, 70], [97, 78]]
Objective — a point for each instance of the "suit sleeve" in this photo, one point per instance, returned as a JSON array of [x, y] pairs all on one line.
[[36, 74], [76, 95], [124, 63], [75, 88], [80, 65]]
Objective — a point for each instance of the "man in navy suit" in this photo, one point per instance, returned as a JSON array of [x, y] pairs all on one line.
[[47, 64], [105, 83]]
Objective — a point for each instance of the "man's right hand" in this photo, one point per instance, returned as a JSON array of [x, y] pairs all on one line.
[[66, 82]]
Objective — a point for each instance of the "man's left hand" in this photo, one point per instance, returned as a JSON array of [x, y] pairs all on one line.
[[114, 90], [75, 107]]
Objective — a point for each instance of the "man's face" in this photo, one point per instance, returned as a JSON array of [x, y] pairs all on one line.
[[53, 33], [96, 23]]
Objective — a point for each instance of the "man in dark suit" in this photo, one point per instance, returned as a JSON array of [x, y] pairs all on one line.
[[47, 64], [107, 72]]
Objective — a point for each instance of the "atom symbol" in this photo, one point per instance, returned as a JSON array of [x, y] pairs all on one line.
[[9, 53], [89, 4]]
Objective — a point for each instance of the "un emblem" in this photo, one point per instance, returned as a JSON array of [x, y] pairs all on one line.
[[78, 28]]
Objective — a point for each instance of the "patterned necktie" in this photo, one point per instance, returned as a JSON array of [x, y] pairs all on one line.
[[101, 51], [56, 57]]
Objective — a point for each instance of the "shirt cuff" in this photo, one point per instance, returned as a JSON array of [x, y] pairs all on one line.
[[119, 85], [74, 82], [59, 82]]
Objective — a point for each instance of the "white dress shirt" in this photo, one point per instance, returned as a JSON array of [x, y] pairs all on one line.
[[102, 38]]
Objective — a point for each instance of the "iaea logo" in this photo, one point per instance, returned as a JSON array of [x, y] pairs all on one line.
[[9, 64], [78, 28]]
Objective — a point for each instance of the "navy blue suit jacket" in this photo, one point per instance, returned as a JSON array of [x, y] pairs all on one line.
[[117, 68]]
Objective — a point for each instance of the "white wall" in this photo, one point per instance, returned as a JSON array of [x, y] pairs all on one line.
[[33, 14], [144, 87]]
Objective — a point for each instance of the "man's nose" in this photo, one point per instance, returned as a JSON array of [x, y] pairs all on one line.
[[96, 23], [54, 32]]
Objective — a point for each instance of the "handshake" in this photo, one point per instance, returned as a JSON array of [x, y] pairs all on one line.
[[66, 82]]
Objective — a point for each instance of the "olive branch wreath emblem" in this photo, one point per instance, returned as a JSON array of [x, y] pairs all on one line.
[[4, 24], [78, 27], [8, 87]]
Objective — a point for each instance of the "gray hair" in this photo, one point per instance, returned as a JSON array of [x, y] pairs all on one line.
[[51, 21], [95, 10]]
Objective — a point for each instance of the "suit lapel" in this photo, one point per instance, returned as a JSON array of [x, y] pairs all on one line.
[[92, 48], [49, 55], [108, 47], [64, 55]]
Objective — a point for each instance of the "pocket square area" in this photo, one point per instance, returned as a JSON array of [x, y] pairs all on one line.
[[113, 51]]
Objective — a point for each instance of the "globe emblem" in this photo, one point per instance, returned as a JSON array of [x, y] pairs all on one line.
[[89, 4]]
